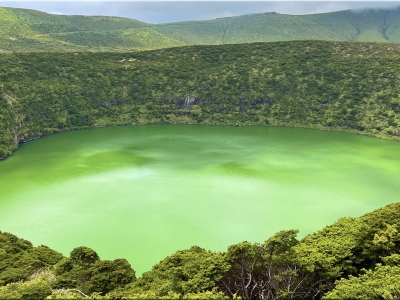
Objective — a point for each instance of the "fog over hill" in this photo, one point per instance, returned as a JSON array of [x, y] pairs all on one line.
[[29, 30]]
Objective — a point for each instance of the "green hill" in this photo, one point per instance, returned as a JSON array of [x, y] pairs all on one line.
[[29, 30], [344, 86], [367, 26]]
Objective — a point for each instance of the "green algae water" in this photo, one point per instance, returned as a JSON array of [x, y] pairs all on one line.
[[143, 192]]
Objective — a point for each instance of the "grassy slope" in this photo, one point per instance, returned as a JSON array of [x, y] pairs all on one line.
[[249, 28], [366, 26], [344, 86], [29, 30]]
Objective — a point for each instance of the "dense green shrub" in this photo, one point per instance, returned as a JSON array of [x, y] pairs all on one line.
[[85, 271], [19, 259], [354, 258]]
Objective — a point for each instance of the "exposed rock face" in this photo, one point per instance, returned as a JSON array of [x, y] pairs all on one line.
[[189, 100], [9, 99]]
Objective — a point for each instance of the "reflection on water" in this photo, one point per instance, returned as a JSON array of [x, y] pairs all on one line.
[[143, 192]]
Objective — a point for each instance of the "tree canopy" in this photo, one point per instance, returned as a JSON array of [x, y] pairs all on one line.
[[353, 258]]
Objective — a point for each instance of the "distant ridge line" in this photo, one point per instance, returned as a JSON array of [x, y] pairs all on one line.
[[25, 30]]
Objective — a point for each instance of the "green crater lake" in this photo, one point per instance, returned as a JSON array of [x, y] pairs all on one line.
[[143, 192]]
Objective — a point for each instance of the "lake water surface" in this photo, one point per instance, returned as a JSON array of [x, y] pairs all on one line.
[[143, 192]]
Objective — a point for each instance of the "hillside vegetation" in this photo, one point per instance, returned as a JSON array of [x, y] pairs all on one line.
[[346, 86], [354, 258], [352, 87], [25, 30]]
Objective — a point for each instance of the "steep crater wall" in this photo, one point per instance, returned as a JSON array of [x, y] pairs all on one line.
[[352, 87]]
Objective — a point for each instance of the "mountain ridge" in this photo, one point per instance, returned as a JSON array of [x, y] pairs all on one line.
[[24, 30]]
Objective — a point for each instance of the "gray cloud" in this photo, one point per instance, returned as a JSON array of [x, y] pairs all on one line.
[[164, 11]]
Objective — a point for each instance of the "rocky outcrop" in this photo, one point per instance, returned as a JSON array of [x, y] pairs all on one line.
[[189, 100]]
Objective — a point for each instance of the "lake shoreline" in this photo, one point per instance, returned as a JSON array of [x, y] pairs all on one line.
[[321, 128], [175, 184]]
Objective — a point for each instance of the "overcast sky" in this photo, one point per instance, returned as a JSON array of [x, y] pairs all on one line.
[[168, 11]]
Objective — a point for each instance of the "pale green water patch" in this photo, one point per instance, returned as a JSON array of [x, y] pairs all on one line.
[[143, 192]]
